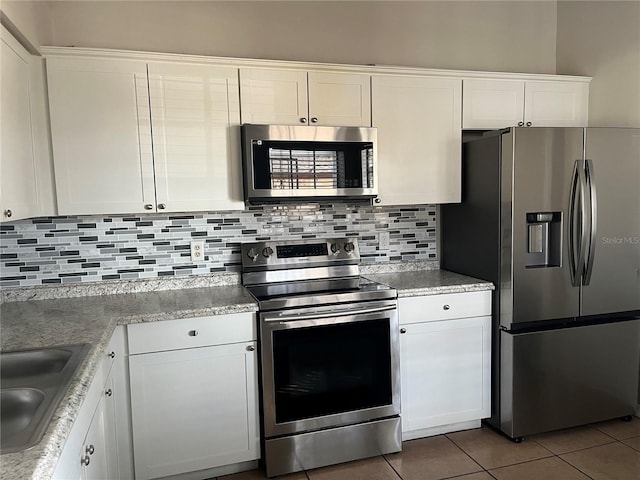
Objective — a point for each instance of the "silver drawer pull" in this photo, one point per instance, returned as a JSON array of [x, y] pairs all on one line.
[[446, 307], [193, 333], [403, 330], [250, 348]]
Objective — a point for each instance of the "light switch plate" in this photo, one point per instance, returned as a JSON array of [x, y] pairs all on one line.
[[197, 251]]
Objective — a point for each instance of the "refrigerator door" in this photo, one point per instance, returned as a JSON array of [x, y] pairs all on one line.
[[573, 376], [612, 279], [538, 171]]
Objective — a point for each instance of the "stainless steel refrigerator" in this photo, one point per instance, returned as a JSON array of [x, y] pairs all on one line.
[[552, 217]]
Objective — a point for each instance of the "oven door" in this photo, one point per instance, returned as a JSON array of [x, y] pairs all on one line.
[[330, 366]]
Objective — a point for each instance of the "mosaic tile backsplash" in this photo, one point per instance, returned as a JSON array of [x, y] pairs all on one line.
[[63, 250]]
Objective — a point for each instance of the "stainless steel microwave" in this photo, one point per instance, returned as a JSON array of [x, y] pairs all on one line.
[[284, 162]]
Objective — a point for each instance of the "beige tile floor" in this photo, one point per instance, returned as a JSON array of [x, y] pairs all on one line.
[[602, 451]]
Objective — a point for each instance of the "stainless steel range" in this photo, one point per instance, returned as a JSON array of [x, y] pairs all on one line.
[[329, 354]]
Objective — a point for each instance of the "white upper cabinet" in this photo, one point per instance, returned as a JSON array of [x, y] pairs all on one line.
[[294, 97], [195, 116], [276, 97], [18, 183], [101, 134], [498, 103], [492, 103], [556, 104], [339, 99], [419, 139], [103, 113]]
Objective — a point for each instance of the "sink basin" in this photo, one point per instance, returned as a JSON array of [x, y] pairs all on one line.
[[32, 383], [18, 408], [33, 362]]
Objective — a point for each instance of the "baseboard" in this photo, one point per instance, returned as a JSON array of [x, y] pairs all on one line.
[[215, 472], [440, 429]]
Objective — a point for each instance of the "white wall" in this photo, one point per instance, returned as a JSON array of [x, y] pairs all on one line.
[[477, 35], [602, 40], [30, 22]]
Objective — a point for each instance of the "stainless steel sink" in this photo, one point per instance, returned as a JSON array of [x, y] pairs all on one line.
[[32, 383]]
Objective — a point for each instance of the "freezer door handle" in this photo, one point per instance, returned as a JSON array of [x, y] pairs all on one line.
[[577, 233], [593, 217]]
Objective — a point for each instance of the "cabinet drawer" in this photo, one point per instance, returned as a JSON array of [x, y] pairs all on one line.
[[429, 308], [191, 332]]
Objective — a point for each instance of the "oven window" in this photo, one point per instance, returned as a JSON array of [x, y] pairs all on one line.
[[323, 370]]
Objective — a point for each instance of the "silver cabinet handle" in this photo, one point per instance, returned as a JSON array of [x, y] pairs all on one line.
[[162, 206], [193, 333], [521, 124], [108, 393], [403, 330], [250, 348], [111, 355], [314, 120], [148, 206], [446, 307], [90, 450], [378, 200], [85, 460], [529, 124], [8, 213], [303, 120]]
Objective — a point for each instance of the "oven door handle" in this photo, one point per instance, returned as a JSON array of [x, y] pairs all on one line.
[[284, 319]]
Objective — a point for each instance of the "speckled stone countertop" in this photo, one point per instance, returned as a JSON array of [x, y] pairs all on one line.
[[429, 282], [92, 319]]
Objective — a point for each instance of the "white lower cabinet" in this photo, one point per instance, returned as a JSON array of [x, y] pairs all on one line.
[[194, 409], [94, 448], [445, 362]]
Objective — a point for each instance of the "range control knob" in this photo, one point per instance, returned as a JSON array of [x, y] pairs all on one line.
[[335, 248], [252, 253], [349, 247], [267, 252]]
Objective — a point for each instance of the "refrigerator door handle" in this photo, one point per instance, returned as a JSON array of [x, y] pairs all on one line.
[[593, 217], [577, 237]]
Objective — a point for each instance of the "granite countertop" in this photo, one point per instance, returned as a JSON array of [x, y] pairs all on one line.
[[429, 282], [92, 319]]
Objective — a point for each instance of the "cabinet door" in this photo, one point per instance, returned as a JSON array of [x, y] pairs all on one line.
[[273, 96], [18, 183], [419, 139], [445, 371], [339, 99], [193, 409], [117, 406], [195, 116], [94, 456], [492, 103], [556, 104], [101, 135]]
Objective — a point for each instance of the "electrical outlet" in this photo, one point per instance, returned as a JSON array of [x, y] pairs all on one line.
[[383, 240], [197, 251]]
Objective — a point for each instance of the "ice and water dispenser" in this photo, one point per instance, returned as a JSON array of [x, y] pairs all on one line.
[[544, 239]]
